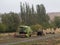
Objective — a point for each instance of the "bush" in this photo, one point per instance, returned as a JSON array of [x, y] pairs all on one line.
[[2, 28], [36, 27]]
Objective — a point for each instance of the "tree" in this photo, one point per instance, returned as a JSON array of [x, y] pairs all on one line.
[[30, 17], [33, 16], [11, 20], [43, 18], [23, 16], [57, 21], [27, 14], [2, 28]]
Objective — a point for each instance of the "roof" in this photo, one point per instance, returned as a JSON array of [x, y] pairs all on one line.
[[24, 26]]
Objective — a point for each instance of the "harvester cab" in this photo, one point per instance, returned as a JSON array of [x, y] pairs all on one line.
[[24, 31]]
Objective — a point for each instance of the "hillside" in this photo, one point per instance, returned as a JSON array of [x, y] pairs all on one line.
[[53, 14]]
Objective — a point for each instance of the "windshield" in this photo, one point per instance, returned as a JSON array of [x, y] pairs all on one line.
[[22, 29]]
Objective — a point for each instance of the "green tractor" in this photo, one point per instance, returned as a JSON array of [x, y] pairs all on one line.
[[24, 31]]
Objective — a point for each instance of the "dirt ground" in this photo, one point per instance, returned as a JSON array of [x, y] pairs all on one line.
[[55, 41], [8, 37]]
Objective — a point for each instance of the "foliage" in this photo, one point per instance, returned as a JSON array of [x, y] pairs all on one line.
[[2, 28], [36, 27], [51, 24], [43, 18], [57, 21], [31, 17], [27, 14], [11, 20]]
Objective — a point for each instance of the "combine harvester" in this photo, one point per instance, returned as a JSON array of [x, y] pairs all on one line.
[[24, 31]]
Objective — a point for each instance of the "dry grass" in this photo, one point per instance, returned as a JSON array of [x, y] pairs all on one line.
[[52, 41], [8, 37]]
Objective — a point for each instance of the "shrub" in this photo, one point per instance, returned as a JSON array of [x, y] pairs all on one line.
[[2, 28], [36, 27]]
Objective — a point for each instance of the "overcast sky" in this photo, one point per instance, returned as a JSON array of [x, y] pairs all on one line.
[[14, 5]]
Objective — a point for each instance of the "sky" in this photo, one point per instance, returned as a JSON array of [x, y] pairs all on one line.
[[14, 5]]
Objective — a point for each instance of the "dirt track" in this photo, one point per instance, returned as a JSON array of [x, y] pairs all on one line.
[[31, 39]]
